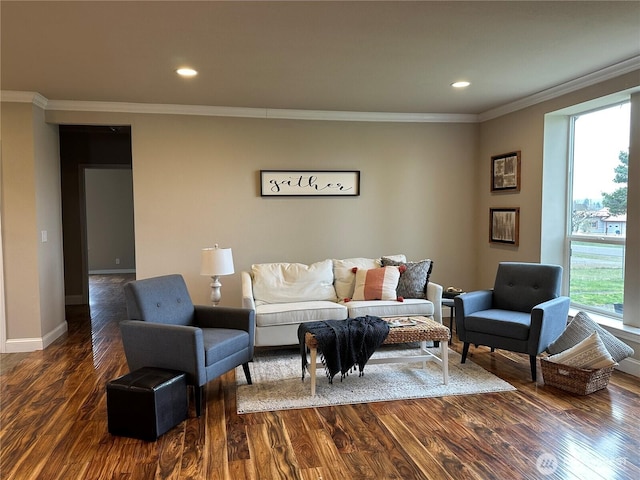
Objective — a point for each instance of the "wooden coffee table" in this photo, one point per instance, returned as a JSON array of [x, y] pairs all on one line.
[[403, 330]]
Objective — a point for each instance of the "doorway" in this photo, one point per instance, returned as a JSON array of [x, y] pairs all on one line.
[[110, 239], [90, 155]]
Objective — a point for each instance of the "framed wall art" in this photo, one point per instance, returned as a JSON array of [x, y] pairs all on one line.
[[504, 225], [297, 183], [505, 172]]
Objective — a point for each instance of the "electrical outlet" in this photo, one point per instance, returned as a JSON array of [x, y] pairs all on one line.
[[117, 261]]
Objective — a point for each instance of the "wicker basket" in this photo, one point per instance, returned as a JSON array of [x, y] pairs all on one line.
[[575, 380]]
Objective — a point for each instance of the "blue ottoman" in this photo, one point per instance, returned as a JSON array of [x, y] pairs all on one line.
[[146, 403]]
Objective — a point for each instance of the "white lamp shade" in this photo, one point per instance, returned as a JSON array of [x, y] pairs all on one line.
[[216, 261]]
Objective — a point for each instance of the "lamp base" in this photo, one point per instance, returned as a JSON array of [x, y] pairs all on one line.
[[215, 290]]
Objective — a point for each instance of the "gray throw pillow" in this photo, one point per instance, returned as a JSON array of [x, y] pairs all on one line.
[[580, 328], [413, 280]]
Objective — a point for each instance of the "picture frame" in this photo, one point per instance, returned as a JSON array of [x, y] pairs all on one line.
[[307, 183], [504, 226], [505, 172]]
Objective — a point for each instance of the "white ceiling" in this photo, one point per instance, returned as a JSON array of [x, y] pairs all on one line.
[[343, 56]]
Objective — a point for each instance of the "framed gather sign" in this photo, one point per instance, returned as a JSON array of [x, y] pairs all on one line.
[[504, 225], [297, 183], [505, 172]]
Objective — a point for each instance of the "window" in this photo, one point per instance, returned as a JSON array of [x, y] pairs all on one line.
[[598, 177]]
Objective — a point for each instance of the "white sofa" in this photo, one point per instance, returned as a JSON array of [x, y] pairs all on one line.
[[283, 295]]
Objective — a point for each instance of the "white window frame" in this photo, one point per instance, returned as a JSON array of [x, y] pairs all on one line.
[[553, 241], [570, 236]]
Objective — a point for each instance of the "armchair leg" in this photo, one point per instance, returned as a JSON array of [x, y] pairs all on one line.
[[197, 396], [465, 351], [532, 360], [247, 373]]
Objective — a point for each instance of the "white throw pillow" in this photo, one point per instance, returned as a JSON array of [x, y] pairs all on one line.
[[580, 328], [376, 284], [293, 282], [345, 277], [588, 354]]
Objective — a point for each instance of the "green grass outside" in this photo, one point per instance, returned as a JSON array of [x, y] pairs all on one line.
[[597, 280]]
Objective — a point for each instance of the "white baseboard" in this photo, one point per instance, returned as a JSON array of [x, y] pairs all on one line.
[[19, 345], [630, 366], [54, 334]]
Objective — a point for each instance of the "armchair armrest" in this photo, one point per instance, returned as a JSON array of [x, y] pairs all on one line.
[[247, 291], [174, 347], [434, 294], [469, 303], [225, 317], [548, 321]]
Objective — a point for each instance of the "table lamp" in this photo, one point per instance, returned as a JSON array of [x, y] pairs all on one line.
[[215, 263]]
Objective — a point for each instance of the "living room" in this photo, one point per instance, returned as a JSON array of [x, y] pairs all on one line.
[[196, 182], [425, 178]]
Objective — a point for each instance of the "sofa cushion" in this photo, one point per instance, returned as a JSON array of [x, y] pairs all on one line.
[[345, 277], [298, 312], [580, 328], [590, 353], [293, 282], [376, 284], [390, 308], [413, 277]]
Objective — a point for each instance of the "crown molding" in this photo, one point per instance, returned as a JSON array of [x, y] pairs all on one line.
[[267, 113], [607, 73], [158, 109], [371, 116], [627, 66], [246, 112], [23, 97]]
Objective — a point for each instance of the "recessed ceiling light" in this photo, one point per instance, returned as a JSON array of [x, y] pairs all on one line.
[[460, 84], [186, 72]]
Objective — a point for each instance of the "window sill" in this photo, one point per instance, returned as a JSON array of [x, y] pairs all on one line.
[[615, 327]]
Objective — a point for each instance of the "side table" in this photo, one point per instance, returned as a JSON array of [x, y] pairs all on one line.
[[449, 302]]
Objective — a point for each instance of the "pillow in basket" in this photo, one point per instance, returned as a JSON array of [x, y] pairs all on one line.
[[580, 328], [590, 353]]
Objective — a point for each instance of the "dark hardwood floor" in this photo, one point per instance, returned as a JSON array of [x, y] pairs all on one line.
[[54, 424]]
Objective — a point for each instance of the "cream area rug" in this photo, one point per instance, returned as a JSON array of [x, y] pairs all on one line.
[[278, 385]]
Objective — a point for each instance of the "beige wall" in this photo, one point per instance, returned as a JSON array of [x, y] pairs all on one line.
[[196, 184], [20, 226], [33, 272]]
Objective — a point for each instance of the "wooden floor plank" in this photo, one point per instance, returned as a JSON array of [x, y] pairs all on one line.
[[53, 423], [428, 460], [215, 454], [331, 461]]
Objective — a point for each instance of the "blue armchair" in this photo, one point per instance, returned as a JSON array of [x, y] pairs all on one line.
[[523, 313], [165, 330]]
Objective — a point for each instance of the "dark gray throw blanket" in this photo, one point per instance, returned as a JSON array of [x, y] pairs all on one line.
[[343, 344]]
